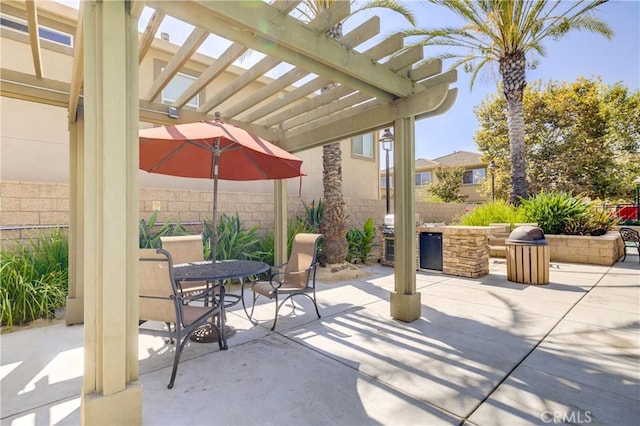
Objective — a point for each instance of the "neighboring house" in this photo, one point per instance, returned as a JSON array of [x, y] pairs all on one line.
[[475, 172], [35, 138]]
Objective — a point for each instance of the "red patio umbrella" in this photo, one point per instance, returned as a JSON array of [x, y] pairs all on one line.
[[214, 150]]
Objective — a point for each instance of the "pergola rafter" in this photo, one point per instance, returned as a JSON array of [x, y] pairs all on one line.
[[286, 108]]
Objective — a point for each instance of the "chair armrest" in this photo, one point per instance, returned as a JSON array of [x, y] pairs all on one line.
[[283, 274], [278, 268], [207, 294]]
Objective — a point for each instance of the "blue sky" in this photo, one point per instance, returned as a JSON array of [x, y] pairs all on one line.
[[577, 54]]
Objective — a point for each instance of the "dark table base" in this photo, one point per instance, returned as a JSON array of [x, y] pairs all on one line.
[[209, 334]]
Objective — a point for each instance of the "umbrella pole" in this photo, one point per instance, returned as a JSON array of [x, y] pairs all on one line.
[[214, 220]]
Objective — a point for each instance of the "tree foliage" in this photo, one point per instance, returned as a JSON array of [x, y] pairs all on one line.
[[581, 138], [447, 187], [509, 34]]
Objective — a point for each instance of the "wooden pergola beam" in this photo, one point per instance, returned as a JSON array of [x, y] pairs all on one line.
[[290, 34], [28, 87], [322, 22], [378, 51], [34, 38], [149, 34], [232, 53], [306, 137], [77, 70], [359, 35], [342, 65], [337, 95], [188, 48]]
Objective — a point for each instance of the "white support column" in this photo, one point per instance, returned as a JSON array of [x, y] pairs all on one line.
[[405, 301], [75, 299], [111, 393], [280, 220]]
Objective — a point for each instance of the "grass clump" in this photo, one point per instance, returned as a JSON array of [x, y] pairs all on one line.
[[34, 279]]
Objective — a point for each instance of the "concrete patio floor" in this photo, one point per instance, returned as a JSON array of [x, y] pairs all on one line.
[[484, 352]]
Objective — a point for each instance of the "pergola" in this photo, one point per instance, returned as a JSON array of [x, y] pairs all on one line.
[[349, 93]]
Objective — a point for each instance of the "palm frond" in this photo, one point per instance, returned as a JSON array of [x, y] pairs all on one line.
[[393, 5], [495, 29]]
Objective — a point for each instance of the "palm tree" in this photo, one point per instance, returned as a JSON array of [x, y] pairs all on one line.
[[506, 32], [333, 224]]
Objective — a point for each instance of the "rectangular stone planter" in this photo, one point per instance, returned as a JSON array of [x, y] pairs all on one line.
[[602, 250]]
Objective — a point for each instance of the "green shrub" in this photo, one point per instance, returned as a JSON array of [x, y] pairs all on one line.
[[595, 222], [553, 211], [266, 248], [34, 279], [495, 212], [150, 235], [265, 251], [234, 241], [298, 225], [360, 242]]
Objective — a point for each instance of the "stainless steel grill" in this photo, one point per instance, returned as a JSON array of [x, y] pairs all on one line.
[[388, 226]]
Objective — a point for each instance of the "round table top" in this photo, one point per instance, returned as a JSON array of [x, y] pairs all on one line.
[[221, 270]]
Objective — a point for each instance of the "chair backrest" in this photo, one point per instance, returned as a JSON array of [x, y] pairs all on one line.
[[631, 236], [184, 248], [304, 253], [156, 287]]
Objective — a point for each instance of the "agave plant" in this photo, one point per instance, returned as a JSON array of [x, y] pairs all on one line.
[[150, 233], [234, 241]]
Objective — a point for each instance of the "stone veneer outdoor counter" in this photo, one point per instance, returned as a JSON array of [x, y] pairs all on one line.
[[465, 251]]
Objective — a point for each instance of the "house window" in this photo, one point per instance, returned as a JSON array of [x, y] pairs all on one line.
[[362, 146], [474, 176], [423, 178], [383, 182], [178, 84], [44, 32]]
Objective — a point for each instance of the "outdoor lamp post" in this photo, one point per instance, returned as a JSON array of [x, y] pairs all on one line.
[[387, 139], [492, 169]]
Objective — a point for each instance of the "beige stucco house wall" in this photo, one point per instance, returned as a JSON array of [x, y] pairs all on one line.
[[475, 170]]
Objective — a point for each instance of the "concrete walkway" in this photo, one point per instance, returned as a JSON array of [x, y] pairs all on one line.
[[484, 352]]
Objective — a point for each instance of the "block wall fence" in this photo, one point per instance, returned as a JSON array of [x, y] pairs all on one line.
[[26, 208]]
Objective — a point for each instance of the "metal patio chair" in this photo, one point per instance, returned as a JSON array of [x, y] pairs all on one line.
[[162, 300], [185, 249], [631, 239], [295, 277]]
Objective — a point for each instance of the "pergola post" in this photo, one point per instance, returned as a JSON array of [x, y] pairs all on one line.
[[405, 301], [75, 299], [280, 219], [111, 393]]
